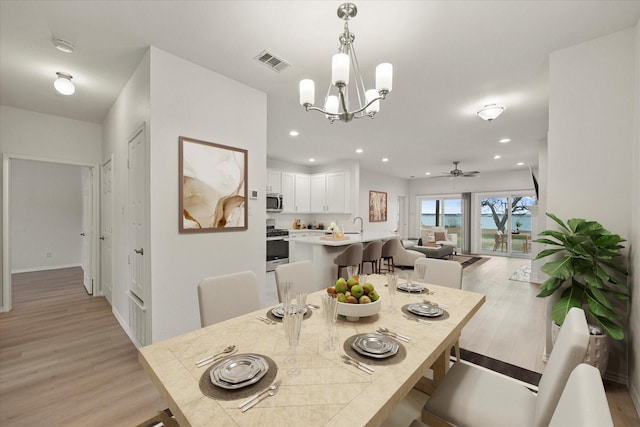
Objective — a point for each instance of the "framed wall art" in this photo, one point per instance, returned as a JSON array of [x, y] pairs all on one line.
[[213, 187], [377, 206]]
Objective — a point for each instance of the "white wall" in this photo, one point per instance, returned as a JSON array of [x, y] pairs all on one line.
[[591, 141], [46, 215], [128, 113], [189, 100], [25, 134], [394, 187]]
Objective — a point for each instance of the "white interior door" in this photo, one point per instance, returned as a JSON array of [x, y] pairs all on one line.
[[87, 228], [106, 221], [136, 213]]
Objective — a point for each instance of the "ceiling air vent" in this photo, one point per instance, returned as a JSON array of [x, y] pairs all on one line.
[[270, 60]]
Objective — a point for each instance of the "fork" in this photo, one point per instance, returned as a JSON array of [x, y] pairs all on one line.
[[424, 322], [266, 320]]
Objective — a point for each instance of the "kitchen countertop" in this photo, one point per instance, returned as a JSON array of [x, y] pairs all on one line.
[[325, 240]]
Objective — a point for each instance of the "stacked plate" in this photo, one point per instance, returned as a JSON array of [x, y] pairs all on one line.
[[279, 310], [411, 287], [375, 345], [425, 310], [239, 371]]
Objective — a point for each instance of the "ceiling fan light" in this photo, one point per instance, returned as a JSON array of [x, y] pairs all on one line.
[[63, 84], [490, 112]]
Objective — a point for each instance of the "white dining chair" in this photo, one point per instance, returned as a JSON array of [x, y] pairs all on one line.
[[583, 402], [443, 273], [300, 273], [472, 396], [227, 296]]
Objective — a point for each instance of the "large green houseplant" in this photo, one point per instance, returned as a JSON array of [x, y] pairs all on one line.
[[588, 266]]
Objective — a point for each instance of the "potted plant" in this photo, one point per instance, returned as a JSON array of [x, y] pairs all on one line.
[[591, 276], [518, 225]]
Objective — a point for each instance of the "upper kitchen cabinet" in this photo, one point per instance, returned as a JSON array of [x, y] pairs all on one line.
[[296, 194], [274, 181], [329, 192]]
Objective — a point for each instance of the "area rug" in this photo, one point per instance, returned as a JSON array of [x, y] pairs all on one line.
[[504, 368], [522, 274]]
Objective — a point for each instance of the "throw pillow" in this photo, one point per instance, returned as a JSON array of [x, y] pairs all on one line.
[[440, 236]]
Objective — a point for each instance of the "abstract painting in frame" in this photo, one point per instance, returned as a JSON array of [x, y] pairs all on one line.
[[213, 187], [377, 206]]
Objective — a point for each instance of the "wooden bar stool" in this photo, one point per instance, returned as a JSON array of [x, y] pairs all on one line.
[[372, 254], [351, 256]]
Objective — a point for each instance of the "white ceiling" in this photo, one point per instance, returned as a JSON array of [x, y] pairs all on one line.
[[450, 58]]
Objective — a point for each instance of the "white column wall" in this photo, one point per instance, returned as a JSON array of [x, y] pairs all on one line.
[[189, 100], [393, 186], [591, 124]]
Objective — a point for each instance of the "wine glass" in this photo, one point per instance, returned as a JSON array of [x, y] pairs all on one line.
[[330, 311], [292, 322], [284, 292], [392, 284]]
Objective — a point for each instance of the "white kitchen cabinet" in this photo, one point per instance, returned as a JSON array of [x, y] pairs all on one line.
[[274, 181], [329, 192], [295, 193]]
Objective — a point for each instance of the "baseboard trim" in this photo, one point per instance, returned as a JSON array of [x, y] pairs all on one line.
[[44, 268], [125, 327], [635, 396]]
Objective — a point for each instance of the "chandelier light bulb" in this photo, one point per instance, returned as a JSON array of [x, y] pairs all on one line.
[[384, 77], [490, 112], [63, 84], [307, 92], [340, 69]]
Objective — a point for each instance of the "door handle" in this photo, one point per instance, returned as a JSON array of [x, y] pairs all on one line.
[[139, 251], [101, 237], [82, 234]]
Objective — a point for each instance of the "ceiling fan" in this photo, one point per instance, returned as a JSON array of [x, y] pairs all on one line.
[[455, 172]]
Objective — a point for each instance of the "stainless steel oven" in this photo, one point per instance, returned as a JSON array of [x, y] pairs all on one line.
[[277, 247]]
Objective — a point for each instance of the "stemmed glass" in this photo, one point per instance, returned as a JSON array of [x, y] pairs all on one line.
[[392, 284], [284, 291], [330, 311], [292, 322]]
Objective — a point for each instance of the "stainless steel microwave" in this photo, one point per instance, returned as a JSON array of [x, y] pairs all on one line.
[[274, 202]]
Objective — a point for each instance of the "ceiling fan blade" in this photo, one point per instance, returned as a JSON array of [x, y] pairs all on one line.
[[440, 176]]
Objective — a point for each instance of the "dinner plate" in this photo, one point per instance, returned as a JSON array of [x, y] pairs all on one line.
[[279, 310], [410, 287], [239, 371], [426, 310], [375, 345]]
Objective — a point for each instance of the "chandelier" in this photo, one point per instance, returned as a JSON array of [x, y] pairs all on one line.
[[344, 62]]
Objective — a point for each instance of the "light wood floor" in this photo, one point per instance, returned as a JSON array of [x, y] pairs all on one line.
[[64, 360]]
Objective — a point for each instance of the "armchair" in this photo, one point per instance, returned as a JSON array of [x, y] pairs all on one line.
[[440, 236], [405, 257]]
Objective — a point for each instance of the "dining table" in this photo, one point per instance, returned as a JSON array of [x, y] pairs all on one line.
[[327, 391]]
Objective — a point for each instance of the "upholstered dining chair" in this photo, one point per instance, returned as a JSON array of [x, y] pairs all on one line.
[[218, 297], [441, 272], [389, 249], [300, 273], [371, 254], [469, 396], [583, 402], [351, 256]]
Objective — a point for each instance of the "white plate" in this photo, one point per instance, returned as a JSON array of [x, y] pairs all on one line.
[[413, 287], [425, 310], [369, 338], [279, 311]]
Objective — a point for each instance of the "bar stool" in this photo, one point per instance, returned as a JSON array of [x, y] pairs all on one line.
[[351, 256], [372, 254], [389, 249]]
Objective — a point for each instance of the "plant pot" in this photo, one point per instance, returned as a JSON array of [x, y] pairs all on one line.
[[597, 351]]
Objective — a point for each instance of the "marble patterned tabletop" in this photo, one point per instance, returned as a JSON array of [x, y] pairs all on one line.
[[327, 392]]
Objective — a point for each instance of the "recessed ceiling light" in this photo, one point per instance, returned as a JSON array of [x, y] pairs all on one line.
[[504, 140], [63, 45], [427, 173], [497, 156], [312, 159], [294, 133], [63, 84], [359, 150], [385, 160], [520, 163]]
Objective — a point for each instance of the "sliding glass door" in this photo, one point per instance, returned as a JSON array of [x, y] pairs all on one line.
[[505, 223], [442, 211]]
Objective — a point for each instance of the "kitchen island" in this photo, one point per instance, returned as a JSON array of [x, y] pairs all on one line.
[[322, 249]]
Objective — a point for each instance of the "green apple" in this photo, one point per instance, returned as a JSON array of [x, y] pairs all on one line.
[[351, 300], [373, 295], [368, 287], [357, 291], [341, 297], [352, 281], [341, 285], [364, 299]]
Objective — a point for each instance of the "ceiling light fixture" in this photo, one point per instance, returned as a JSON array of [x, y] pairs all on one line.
[[63, 45], [497, 156], [294, 133], [63, 84], [344, 63], [490, 112], [385, 159], [504, 140], [359, 150]]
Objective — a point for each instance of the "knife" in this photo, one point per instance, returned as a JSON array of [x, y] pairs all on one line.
[[261, 398], [273, 386], [205, 362]]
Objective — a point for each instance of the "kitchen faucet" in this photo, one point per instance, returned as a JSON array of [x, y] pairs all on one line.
[[361, 226]]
